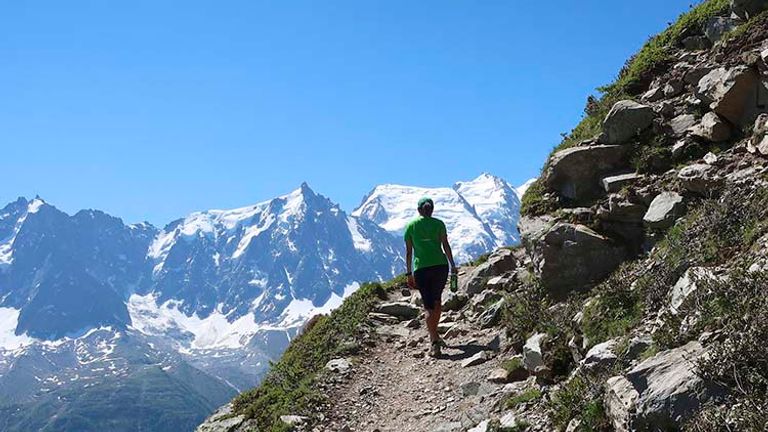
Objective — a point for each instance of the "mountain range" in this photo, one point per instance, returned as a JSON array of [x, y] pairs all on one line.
[[170, 323]]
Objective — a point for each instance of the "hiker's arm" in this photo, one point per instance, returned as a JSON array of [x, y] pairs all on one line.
[[409, 262], [448, 252]]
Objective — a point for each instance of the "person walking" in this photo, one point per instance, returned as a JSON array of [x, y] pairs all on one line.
[[428, 255]]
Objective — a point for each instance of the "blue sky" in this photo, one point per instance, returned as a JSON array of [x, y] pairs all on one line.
[[150, 110]]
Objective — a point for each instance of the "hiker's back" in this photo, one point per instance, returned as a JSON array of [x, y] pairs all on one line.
[[426, 233]]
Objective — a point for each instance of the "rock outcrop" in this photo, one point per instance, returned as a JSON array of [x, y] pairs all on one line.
[[576, 172], [571, 256], [659, 393], [626, 120]]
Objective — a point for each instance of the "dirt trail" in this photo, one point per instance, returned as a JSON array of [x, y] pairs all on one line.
[[395, 386]]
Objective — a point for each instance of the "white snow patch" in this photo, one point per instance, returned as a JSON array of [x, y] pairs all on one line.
[[35, 205], [214, 331], [253, 231], [9, 319], [361, 243], [300, 310]]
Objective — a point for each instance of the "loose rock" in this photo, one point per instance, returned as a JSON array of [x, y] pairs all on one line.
[[625, 120], [664, 210]]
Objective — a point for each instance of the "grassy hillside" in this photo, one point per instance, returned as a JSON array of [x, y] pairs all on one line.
[[638, 71], [288, 387]]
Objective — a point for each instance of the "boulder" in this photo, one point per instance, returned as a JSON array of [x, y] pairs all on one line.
[[481, 301], [731, 93], [601, 356], [660, 393], [622, 210], [476, 359], [616, 183], [293, 420], [223, 420], [500, 261], [575, 172], [339, 365], [664, 211], [498, 283], [711, 158], [686, 285], [696, 43], [483, 426], [400, 310], [508, 423], [654, 94], [712, 128], [492, 315], [625, 120], [700, 179], [682, 123], [516, 370], [533, 351], [453, 301], [748, 8], [571, 256], [673, 88], [716, 27], [695, 74], [498, 376]]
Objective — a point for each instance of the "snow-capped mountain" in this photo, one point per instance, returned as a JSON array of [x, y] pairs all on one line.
[[480, 215], [97, 313], [194, 311]]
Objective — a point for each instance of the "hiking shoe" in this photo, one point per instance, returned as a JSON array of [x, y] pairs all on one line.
[[434, 351]]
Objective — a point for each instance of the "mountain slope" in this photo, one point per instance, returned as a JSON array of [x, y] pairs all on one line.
[[496, 203], [638, 300], [217, 294], [480, 215]]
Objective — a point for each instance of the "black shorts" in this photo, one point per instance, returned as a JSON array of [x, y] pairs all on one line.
[[430, 281]]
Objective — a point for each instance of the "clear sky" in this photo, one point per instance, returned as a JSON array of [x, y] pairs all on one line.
[[151, 109]]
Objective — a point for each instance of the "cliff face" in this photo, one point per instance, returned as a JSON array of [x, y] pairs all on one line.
[[637, 301]]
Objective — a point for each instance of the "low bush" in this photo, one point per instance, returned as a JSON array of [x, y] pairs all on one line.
[[580, 398], [617, 307], [737, 308]]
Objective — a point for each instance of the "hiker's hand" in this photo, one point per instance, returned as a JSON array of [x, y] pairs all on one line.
[[411, 282], [455, 270]]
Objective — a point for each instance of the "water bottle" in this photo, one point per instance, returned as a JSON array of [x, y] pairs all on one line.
[[454, 282]]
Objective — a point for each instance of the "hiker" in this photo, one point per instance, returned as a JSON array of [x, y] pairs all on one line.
[[427, 257]]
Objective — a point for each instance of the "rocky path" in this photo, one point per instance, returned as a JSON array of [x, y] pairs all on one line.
[[395, 386]]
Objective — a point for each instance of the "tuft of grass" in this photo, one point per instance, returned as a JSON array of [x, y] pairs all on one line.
[[511, 365], [529, 395], [580, 398], [288, 387], [616, 309]]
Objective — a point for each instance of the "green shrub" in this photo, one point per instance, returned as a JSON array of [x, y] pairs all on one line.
[[616, 308], [580, 398], [513, 364], [737, 307], [528, 395]]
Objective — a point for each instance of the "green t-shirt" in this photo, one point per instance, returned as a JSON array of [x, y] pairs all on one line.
[[425, 234]]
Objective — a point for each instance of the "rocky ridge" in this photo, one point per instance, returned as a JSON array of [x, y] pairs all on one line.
[[637, 301]]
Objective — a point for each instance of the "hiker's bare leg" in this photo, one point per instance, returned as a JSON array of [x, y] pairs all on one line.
[[433, 318]]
